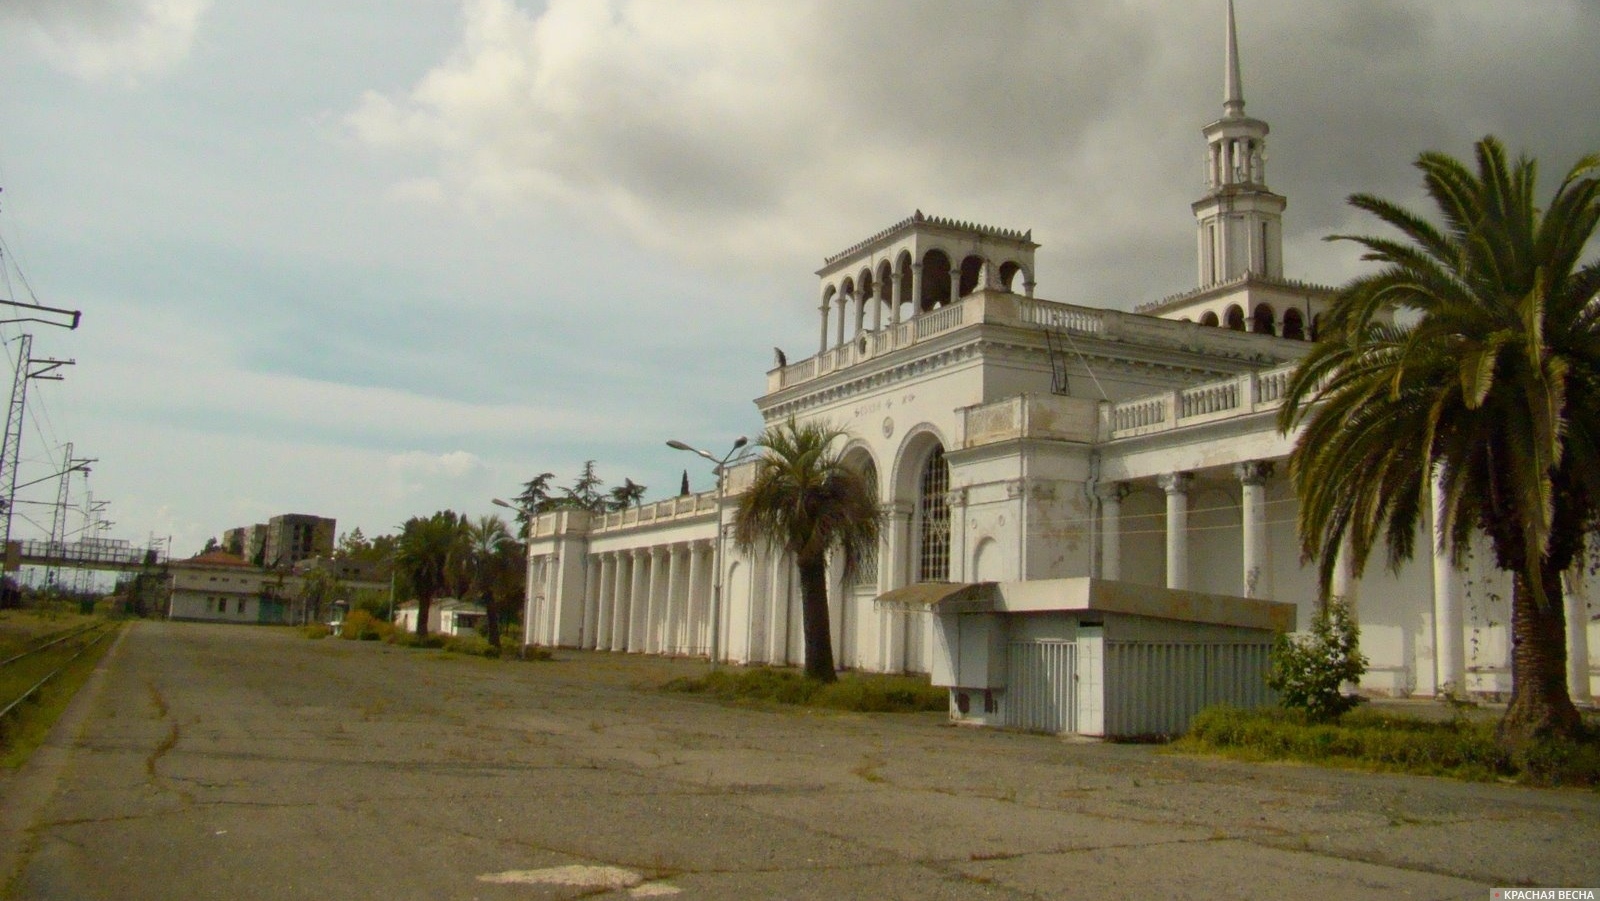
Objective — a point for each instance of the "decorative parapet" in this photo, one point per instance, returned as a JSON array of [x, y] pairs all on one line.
[[917, 218], [1237, 282], [1242, 395]]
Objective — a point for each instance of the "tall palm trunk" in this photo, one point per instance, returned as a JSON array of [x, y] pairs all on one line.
[[491, 619], [814, 608], [423, 603], [1540, 705]]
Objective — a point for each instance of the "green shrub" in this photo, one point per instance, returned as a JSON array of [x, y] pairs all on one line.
[[315, 630], [1309, 672], [474, 644], [403, 638], [363, 626]]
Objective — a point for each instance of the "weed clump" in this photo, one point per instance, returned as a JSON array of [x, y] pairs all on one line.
[[862, 693], [1367, 739], [360, 625]]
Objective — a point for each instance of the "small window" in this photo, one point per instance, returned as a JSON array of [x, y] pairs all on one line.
[[240, 608]]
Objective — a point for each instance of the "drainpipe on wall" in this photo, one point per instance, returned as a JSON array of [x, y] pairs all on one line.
[[1091, 492]]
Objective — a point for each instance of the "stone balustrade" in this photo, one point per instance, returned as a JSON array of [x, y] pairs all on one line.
[[1240, 395]]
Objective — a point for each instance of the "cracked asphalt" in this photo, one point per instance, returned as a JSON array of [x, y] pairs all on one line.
[[238, 763]]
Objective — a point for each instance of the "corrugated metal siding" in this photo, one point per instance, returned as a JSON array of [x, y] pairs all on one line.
[[1156, 687], [1041, 686]]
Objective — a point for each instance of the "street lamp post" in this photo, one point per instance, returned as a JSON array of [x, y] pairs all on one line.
[[721, 470]]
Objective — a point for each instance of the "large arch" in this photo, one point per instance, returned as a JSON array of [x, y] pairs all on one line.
[[1234, 318], [883, 310], [1262, 321], [935, 281], [971, 274], [1209, 318], [1008, 276], [906, 305], [1294, 325]]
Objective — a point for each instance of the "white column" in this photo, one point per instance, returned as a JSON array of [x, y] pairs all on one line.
[[955, 281], [1257, 576], [672, 638], [861, 311], [620, 601], [895, 300], [1577, 603], [1345, 584], [639, 600], [1111, 528], [822, 344], [893, 564], [591, 603], [844, 304], [656, 617], [1176, 485], [699, 599], [916, 289], [1449, 655], [879, 295], [602, 639]]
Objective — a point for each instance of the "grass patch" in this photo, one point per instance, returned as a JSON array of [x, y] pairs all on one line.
[[859, 692], [26, 727], [1366, 739]]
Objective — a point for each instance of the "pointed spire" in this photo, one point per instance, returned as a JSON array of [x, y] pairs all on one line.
[[1233, 85]]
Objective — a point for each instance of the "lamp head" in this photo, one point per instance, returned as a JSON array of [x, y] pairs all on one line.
[[741, 442], [679, 445]]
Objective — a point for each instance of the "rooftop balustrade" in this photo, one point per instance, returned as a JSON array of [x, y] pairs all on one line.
[[1001, 308]]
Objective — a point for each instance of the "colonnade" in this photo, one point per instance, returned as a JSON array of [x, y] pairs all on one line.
[[654, 600], [1257, 567], [841, 307]]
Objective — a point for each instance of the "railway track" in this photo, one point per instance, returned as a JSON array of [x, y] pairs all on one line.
[[38, 665]]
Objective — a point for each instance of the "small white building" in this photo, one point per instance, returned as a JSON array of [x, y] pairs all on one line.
[[1018, 440], [222, 587], [446, 616]]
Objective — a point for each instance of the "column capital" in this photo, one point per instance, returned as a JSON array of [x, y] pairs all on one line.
[[1253, 472], [897, 509], [1175, 482], [1112, 491]]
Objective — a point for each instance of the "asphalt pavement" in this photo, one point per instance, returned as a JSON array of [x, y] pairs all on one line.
[[232, 762]]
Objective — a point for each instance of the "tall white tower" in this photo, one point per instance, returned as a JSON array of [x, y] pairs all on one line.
[[1240, 220]]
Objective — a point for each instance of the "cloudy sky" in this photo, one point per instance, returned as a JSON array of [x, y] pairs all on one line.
[[373, 258]]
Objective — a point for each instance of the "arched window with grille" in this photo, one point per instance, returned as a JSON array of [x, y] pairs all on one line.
[[933, 563], [867, 571]]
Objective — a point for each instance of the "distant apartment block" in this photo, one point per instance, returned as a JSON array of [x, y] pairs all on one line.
[[234, 540], [292, 537]]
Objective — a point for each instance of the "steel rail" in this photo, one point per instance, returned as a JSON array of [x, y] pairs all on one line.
[[34, 650], [6, 711]]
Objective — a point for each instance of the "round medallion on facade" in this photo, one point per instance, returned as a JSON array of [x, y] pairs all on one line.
[[888, 427]]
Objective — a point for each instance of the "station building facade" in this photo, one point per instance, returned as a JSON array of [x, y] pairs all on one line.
[[1017, 439]]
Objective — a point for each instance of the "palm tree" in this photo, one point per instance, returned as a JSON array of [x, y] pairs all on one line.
[[489, 555], [425, 557], [806, 501], [1488, 380]]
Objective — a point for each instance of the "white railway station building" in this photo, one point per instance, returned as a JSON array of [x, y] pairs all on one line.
[[1015, 440]]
